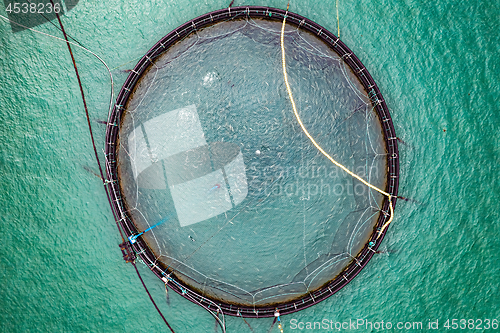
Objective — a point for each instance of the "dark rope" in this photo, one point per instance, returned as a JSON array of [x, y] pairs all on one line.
[[50, 21], [82, 93], [151, 298], [272, 325], [246, 322], [88, 119], [97, 156]]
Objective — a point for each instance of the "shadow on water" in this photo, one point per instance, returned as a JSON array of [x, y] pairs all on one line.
[[32, 13]]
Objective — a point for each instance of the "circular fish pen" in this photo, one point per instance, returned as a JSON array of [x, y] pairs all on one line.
[[214, 183]]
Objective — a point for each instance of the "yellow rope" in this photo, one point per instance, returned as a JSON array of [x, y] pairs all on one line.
[[277, 315], [285, 75], [338, 22]]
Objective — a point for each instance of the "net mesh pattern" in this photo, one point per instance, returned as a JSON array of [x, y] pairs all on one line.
[[241, 208]]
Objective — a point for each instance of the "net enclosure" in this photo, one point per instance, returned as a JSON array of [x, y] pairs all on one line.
[[215, 184]]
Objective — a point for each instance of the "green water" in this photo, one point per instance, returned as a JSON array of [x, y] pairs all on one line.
[[437, 66]]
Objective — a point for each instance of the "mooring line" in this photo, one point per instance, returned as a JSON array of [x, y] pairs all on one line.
[[96, 154]]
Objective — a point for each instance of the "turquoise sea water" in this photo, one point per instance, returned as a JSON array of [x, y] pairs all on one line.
[[437, 66]]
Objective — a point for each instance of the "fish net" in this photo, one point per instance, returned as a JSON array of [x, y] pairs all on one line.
[[218, 189]]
